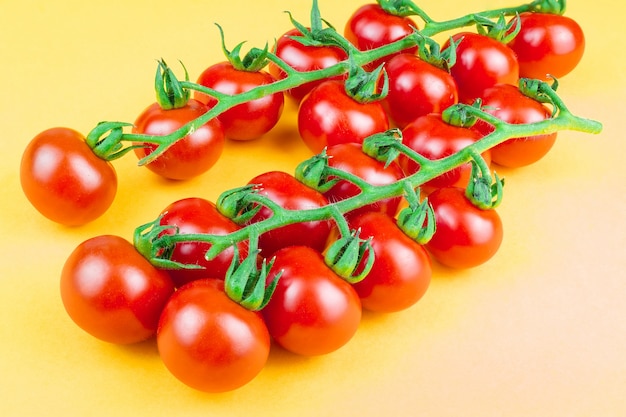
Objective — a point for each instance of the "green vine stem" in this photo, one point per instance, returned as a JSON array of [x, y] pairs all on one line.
[[107, 144]]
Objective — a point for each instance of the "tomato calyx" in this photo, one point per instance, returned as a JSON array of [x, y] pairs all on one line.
[[105, 140], [245, 281], [384, 146], [346, 254], [314, 173], [320, 33], [364, 86], [548, 6], [429, 51], [398, 7], [461, 115], [418, 219], [482, 190], [238, 203], [500, 29], [170, 93], [255, 60], [542, 92]]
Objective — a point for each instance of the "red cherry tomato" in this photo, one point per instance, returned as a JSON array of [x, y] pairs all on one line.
[[190, 156], [481, 62], [349, 157], [401, 272], [312, 311], [465, 235], [64, 180], [435, 139], [112, 292], [416, 88], [370, 27], [304, 58], [208, 341], [289, 193], [547, 44], [507, 103], [328, 116], [249, 120], [197, 215]]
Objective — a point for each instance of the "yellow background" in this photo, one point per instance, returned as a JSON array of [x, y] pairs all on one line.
[[538, 331]]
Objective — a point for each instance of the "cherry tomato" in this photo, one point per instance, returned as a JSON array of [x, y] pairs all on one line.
[[190, 156], [304, 58], [197, 215], [370, 27], [416, 88], [249, 120], [289, 193], [465, 235], [547, 44], [208, 341], [481, 62], [112, 292], [64, 180], [349, 157], [435, 139], [328, 116], [507, 103], [312, 311], [401, 272]]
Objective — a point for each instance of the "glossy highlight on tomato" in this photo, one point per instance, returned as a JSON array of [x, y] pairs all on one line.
[[112, 292], [190, 156], [64, 180], [208, 341]]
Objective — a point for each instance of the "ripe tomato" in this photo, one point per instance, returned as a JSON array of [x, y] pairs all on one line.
[[350, 158], [465, 235], [208, 341], [547, 44], [481, 62], [313, 311], [190, 156], [328, 116], [416, 88], [435, 139], [249, 120], [197, 215], [507, 103], [304, 58], [64, 180], [401, 272], [112, 292], [289, 193], [370, 27]]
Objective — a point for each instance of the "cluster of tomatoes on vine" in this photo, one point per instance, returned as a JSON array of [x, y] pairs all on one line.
[[214, 321]]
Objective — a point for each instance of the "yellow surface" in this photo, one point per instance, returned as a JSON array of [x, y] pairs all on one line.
[[538, 331]]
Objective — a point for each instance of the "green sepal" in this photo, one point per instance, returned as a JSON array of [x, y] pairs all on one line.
[[483, 191], [320, 33], [245, 283], [347, 253], [461, 114], [237, 205], [314, 173], [105, 140], [540, 91], [170, 94], [430, 51], [363, 86], [383, 146], [418, 219], [255, 60], [548, 6], [500, 29], [401, 8]]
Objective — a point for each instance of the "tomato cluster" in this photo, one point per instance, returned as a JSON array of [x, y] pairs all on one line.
[[209, 333]]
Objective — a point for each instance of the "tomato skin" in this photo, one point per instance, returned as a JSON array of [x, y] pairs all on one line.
[[547, 44], [350, 158], [64, 180], [312, 311], [416, 88], [435, 139], [507, 103], [370, 27], [210, 342], [402, 270], [328, 116], [286, 191], [190, 156], [246, 121], [112, 292], [465, 235], [197, 215], [304, 58], [481, 62]]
